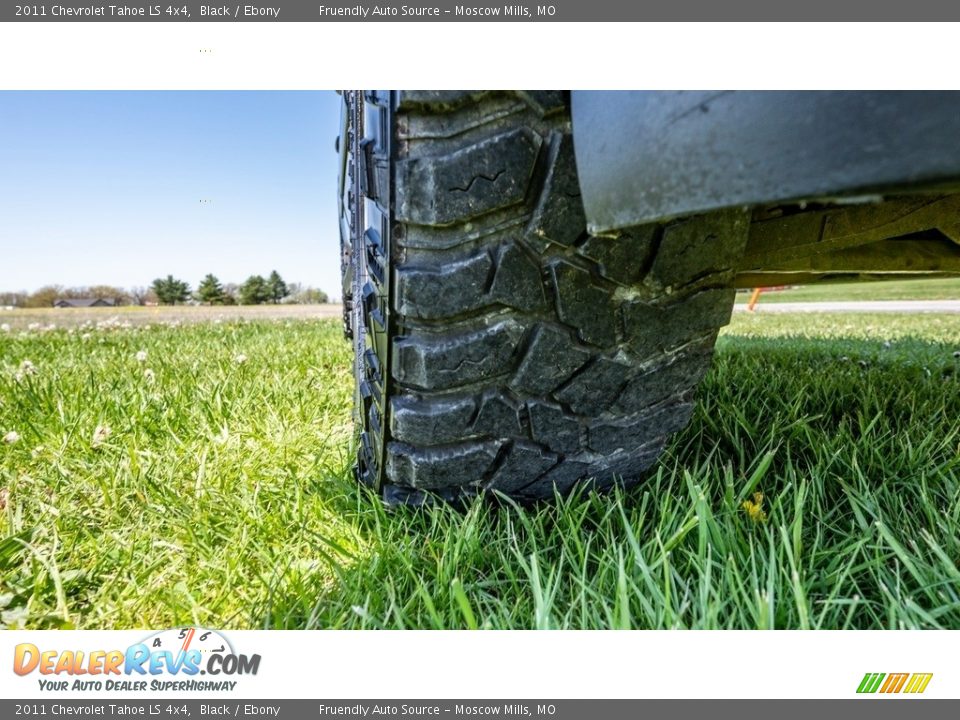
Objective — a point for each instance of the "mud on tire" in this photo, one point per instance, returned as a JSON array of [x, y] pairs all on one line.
[[523, 354]]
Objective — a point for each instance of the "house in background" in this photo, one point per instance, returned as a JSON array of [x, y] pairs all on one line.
[[85, 302]]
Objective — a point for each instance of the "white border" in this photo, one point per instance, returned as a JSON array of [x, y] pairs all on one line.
[[134, 55], [412, 664], [562, 665]]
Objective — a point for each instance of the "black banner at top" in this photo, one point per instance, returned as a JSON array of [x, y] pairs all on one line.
[[479, 11]]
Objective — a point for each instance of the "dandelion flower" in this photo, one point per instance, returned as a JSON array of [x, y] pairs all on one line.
[[100, 435], [754, 508], [141, 356], [28, 368], [11, 437], [149, 375], [86, 336], [240, 359], [5, 327]]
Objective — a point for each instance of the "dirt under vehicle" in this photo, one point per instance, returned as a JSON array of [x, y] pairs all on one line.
[[534, 281]]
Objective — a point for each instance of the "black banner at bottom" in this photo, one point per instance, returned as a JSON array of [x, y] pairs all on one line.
[[873, 707]]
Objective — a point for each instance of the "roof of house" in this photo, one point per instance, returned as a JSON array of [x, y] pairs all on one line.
[[85, 302]]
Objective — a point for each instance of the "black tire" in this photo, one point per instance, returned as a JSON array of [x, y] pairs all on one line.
[[508, 349]]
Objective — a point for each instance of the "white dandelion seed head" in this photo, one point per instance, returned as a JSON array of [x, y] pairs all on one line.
[[5, 327], [28, 368], [11, 437], [86, 336], [100, 435], [240, 359], [141, 356], [33, 326], [149, 375]]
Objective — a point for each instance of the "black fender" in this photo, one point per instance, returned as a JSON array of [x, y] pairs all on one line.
[[653, 155]]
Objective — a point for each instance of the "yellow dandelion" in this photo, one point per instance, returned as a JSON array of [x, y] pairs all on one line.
[[754, 508]]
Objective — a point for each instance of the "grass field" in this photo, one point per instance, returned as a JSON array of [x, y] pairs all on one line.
[[208, 482], [935, 289], [129, 315]]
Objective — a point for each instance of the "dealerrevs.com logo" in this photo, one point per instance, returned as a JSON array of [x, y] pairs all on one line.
[[169, 660]]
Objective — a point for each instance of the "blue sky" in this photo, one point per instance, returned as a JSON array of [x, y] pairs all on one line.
[[106, 187]]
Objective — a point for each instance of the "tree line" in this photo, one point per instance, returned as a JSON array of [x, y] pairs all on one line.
[[255, 290]]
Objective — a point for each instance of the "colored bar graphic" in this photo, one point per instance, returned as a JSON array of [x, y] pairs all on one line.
[[870, 682], [918, 682], [894, 683]]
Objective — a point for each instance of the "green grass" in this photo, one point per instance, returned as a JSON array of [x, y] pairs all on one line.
[[222, 495], [935, 289]]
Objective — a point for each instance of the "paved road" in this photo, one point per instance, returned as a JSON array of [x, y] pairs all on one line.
[[860, 306]]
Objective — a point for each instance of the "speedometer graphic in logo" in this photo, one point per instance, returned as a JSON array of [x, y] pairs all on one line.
[[184, 639]]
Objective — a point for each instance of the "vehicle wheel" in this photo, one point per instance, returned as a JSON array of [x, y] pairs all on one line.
[[501, 346]]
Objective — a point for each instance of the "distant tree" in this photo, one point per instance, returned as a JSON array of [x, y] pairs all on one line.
[[309, 296], [170, 291], [16, 299], [277, 287], [231, 293], [108, 292], [44, 297], [210, 290], [254, 291], [140, 295]]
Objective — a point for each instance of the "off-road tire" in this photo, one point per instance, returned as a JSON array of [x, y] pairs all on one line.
[[524, 355]]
